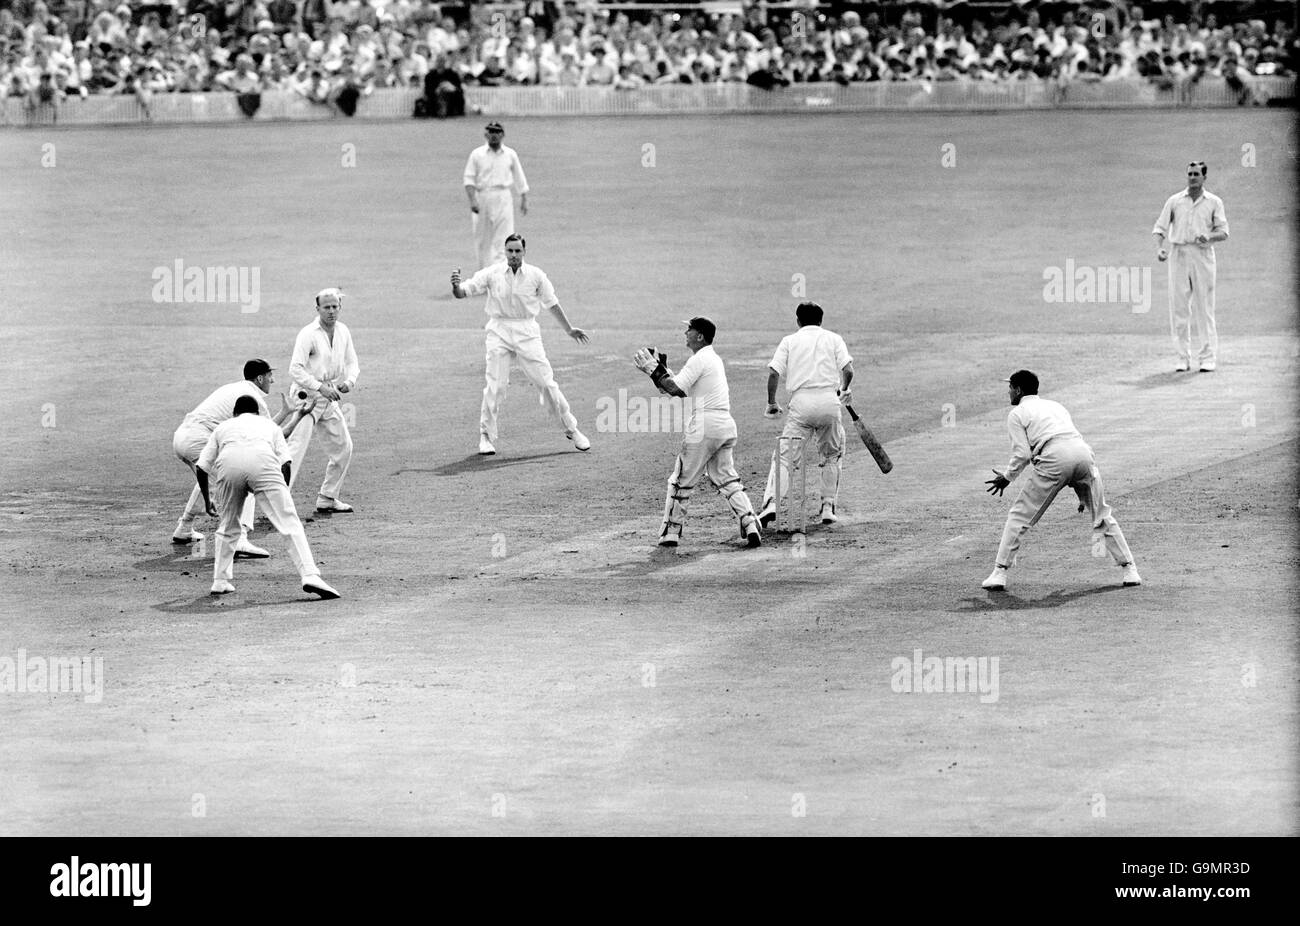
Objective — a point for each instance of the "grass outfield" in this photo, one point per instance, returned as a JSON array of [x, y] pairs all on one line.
[[512, 653]]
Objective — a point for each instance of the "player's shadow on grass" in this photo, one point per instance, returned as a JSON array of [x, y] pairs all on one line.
[[1156, 380], [1005, 601], [477, 463], [177, 561], [181, 560], [217, 605]]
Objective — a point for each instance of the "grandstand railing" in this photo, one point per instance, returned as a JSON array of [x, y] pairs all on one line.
[[283, 105]]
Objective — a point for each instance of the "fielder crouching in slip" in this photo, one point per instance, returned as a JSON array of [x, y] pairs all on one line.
[[248, 455], [710, 436], [1043, 434]]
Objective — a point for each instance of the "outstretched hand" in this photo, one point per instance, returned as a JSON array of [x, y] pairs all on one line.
[[997, 484], [579, 335]]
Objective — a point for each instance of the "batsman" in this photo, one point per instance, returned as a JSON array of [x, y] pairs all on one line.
[[817, 369], [710, 438]]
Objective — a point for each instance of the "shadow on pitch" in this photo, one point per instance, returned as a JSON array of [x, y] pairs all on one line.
[[226, 604], [477, 463], [181, 559], [1005, 601], [1156, 380]]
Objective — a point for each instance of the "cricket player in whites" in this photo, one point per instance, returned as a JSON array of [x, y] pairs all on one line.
[[248, 455], [193, 434], [1192, 220], [817, 369], [324, 368], [492, 173], [1042, 434], [710, 436]]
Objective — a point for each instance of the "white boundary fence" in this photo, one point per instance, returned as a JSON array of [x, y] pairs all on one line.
[[283, 105]]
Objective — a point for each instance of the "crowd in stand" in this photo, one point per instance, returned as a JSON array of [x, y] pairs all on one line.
[[332, 53]]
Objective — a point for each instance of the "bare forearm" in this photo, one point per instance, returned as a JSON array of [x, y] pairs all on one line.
[[773, 378], [563, 319]]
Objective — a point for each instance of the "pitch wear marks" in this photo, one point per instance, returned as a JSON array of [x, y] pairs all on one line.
[[922, 674], [103, 879], [84, 675], [1114, 285], [179, 283]]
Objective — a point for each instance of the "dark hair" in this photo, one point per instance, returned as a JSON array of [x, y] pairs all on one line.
[[1025, 381], [246, 404], [808, 313], [517, 237], [1205, 171]]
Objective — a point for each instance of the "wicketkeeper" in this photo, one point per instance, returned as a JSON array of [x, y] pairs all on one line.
[[710, 437]]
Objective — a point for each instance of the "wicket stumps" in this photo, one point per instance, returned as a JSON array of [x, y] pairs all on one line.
[[791, 450]]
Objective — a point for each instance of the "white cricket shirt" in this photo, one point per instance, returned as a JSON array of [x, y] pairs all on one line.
[[316, 360], [811, 358], [1183, 218], [1031, 424], [512, 295], [704, 380], [247, 443], [220, 406], [495, 170]]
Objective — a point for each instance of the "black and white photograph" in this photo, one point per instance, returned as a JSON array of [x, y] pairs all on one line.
[[725, 418]]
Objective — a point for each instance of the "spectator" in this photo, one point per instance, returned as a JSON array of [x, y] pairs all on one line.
[[283, 14], [245, 83], [444, 94], [599, 73], [770, 77]]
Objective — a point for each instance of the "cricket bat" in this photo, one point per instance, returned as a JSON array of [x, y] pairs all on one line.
[[877, 451]]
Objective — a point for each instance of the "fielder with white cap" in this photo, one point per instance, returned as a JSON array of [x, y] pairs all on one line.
[[193, 434], [491, 173], [248, 456], [324, 368], [516, 294]]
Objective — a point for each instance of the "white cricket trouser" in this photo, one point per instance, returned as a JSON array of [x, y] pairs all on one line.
[[188, 442], [812, 415], [326, 419], [492, 224], [1191, 301], [710, 456], [1062, 462], [520, 340], [238, 475]]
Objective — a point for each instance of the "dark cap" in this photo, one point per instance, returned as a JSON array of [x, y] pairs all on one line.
[[704, 326], [1025, 381], [255, 368], [495, 127]]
